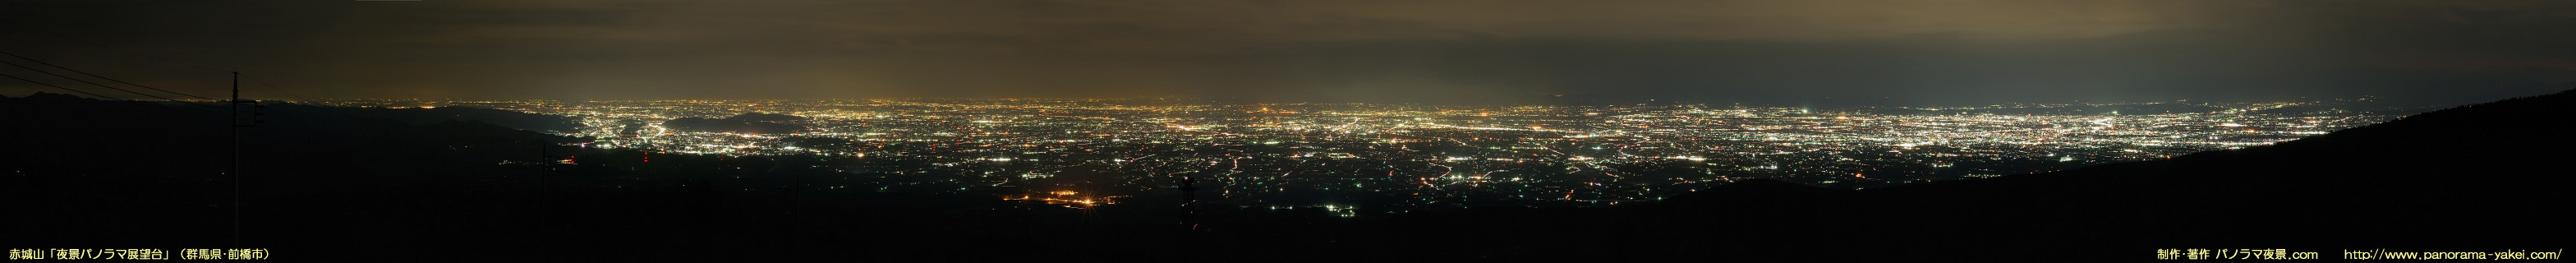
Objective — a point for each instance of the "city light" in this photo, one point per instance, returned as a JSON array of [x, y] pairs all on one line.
[[1432, 155]]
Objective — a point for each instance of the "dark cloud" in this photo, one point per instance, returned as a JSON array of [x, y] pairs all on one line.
[[1442, 51]]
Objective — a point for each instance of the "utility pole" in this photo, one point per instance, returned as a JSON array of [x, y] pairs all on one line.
[[545, 194], [545, 185], [235, 106]]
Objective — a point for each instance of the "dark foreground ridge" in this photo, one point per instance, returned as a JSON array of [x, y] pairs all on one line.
[[423, 185]]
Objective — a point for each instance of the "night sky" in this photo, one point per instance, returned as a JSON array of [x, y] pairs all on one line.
[[1809, 52]]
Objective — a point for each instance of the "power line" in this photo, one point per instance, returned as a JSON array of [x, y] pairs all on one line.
[[97, 76], [137, 54], [60, 87], [104, 96], [96, 84], [32, 27]]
